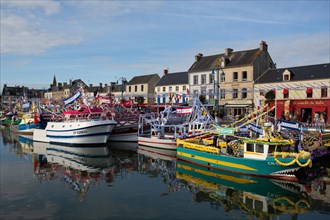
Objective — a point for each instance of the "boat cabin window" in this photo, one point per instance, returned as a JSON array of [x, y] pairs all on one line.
[[258, 205], [250, 147], [271, 149], [259, 148], [282, 148], [249, 202]]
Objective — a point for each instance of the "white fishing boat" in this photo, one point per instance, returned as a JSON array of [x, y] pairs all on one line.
[[174, 123], [87, 126]]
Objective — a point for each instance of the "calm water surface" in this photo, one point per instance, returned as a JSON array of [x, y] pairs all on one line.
[[43, 181]]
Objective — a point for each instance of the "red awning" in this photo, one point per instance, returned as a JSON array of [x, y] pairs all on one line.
[[285, 91], [309, 90]]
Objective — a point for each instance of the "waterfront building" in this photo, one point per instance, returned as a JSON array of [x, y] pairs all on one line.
[[172, 88], [226, 80], [11, 94], [301, 92], [142, 88]]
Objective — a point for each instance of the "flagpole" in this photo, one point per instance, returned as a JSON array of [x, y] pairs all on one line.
[[275, 104]]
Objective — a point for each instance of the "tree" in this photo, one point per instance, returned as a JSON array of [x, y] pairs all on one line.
[[270, 97], [140, 100], [202, 99]]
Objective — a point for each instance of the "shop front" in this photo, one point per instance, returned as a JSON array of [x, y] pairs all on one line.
[[303, 110]]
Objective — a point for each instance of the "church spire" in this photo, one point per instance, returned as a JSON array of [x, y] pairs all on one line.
[[54, 81]]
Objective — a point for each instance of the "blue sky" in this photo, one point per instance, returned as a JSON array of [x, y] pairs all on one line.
[[102, 41]]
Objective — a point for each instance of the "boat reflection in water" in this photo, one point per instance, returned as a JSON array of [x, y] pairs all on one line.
[[156, 162], [77, 166], [259, 197]]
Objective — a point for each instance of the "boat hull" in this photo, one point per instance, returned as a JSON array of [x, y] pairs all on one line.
[[79, 132], [123, 137], [25, 129], [154, 142], [266, 168]]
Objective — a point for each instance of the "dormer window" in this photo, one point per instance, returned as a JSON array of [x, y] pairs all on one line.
[[287, 75]]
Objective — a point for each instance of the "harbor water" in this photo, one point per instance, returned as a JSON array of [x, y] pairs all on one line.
[[126, 181]]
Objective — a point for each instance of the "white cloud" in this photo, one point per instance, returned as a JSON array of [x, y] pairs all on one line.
[[48, 6], [20, 36]]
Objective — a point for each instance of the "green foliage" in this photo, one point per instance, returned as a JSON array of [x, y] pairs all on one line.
[[202, 98], [270, 97], [140, 100]]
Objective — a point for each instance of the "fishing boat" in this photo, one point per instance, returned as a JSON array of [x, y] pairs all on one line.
[[86, 126], [262, 198], [126, 129], [173, 123], [266, 156], [25, 125]]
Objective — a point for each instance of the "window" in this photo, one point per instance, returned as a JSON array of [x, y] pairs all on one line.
[[170, 89], [222, 77], [141, 88], [129, 89], [261, 92], [164, 89], [309, 92], [259, 148], [250, 147], [184, 88], [203, 90], [222, 93], [176, 88], [135, 88], [235, 76], [285, 93], [211, 94], [244, 93], [158, 89], [324, 91], [203, 79], [211, 78], [195, 80], [244, 75], [235, 93], [286, 77]]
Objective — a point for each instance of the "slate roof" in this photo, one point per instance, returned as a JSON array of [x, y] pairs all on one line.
[[237, 58], [142, 79], [299, 73], [173, 79]]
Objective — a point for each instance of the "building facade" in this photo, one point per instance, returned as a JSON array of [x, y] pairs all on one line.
[[142, 87], [301, 93], [226, 80], [172, 88]]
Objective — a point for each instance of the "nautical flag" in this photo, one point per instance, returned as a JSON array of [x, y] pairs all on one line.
[[72, 98]]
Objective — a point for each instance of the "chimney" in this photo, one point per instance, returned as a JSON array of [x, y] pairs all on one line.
[[65, 84], [100, 85], [90, 85], [70, 82], [198, 57], [263, 46], [106, 87], [165, 72], [228, 51]]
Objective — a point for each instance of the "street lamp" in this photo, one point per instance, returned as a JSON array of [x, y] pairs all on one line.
[[216, 86]]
